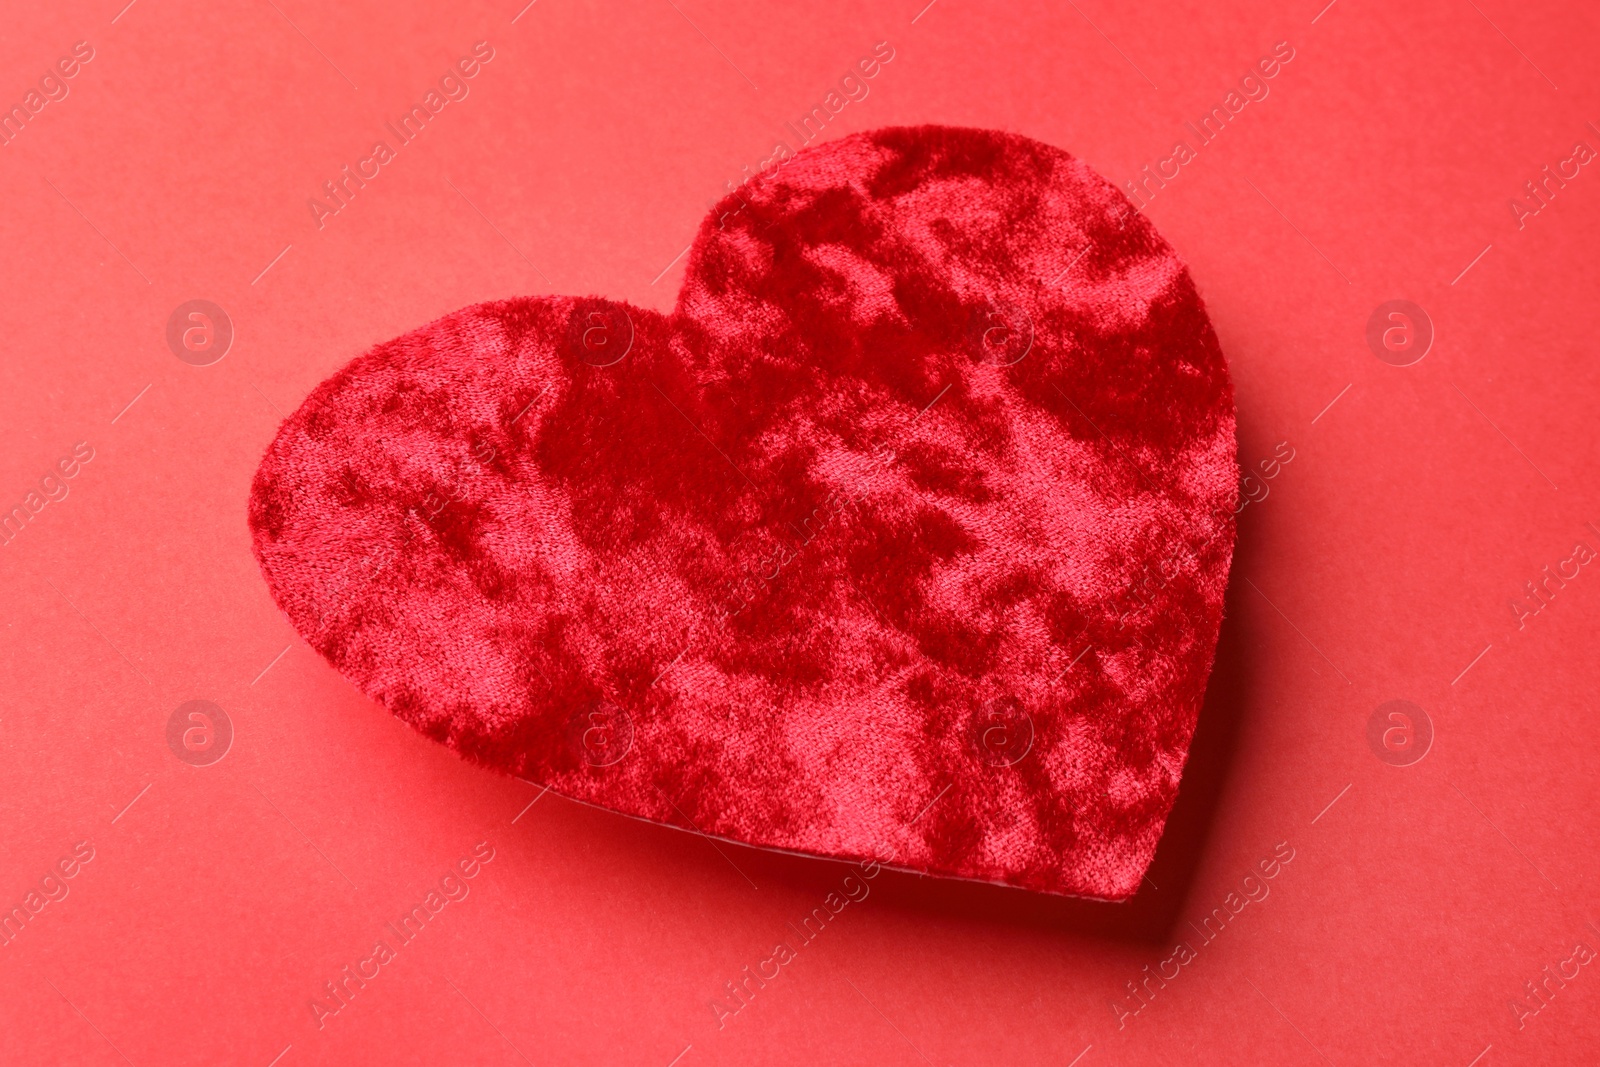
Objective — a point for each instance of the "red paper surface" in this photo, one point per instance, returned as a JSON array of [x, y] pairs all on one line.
[[1382, 562]]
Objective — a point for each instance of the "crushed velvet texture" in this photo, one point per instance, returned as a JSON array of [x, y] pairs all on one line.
[[904, 537]]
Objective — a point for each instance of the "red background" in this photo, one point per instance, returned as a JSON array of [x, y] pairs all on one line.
[[1379, 566]]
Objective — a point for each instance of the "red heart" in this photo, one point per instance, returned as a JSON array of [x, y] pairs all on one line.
[[903, 538]]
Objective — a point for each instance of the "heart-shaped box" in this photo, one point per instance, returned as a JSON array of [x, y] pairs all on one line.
[[903, 538]]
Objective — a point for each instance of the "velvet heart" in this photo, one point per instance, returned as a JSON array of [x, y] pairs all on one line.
[[903, 538]]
